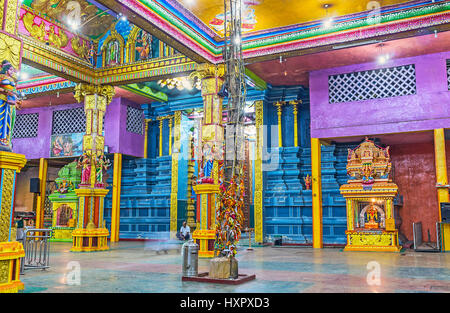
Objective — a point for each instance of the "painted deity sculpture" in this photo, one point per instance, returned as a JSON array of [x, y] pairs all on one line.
[[65, 203], [102, 165], [8, 104], [308, 182], [84, 162], [144, 50], [112, 53]]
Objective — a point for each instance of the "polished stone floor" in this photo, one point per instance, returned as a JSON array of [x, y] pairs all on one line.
[[136, 267]]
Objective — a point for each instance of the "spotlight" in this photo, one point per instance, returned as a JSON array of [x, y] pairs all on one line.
[[73, 24], [328, 23], [23, 75], [382, 59], [121, 17]]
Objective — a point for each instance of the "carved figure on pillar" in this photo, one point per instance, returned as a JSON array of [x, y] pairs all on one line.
[[8, 104], [84, 163]]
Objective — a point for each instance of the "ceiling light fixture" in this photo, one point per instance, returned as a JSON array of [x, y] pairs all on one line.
[[328, 22], [23, 75], [121, 17], [382, 58]]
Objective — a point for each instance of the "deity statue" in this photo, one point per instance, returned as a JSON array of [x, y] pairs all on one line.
[[84, 162], [207, 164], [92, 55], [112, 53], [63, 186], [372, 216], [145, 51], [103, 164], [308, 182], [8, 104]]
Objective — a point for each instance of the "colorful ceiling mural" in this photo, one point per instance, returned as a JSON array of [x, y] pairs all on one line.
[[186, 23], [260, 15], [81, 15]]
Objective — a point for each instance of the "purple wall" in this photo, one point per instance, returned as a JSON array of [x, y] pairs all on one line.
[[428, 109], [117, 138]]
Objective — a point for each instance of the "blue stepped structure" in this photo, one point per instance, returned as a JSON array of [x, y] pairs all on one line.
[[145, 199], [287, 203], [146, 183]]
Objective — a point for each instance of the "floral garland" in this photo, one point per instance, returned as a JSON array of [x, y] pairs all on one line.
[[229, 215]]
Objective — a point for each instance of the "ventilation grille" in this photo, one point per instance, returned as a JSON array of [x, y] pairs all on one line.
[[69, 121], [135, 120], [26, 125], [373, 84]]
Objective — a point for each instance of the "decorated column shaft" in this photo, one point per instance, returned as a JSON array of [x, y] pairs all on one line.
[[279, 105], [91, 233], [211, 141], [295, 112], [10, 163]]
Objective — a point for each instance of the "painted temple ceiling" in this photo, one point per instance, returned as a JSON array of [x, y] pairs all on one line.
[[261, 15], [93, 21], [192, 29]]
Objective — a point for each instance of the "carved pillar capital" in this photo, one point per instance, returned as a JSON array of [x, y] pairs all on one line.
[[82, 90], [206, 70]]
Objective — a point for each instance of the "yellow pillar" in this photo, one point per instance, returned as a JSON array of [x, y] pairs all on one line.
[[92, 235], [441, 179], [258, 197], [117, 184], [279, 104], [317, 193], [170, 135], [295, 111], [174, 180], [212, 139], [146, 137], [43, 166], [161, 120]]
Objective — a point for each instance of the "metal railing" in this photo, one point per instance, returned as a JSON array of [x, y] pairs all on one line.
[[37, 249]]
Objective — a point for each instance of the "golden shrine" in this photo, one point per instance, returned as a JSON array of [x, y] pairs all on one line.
[[369, 195], [65, 203]]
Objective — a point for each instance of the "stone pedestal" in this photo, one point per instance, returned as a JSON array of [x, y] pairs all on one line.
[[223, 268]]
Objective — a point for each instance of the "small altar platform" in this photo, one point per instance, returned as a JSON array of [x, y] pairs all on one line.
[[204, 278]]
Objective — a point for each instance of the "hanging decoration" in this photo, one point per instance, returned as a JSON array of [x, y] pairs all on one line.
[[229, 214]]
